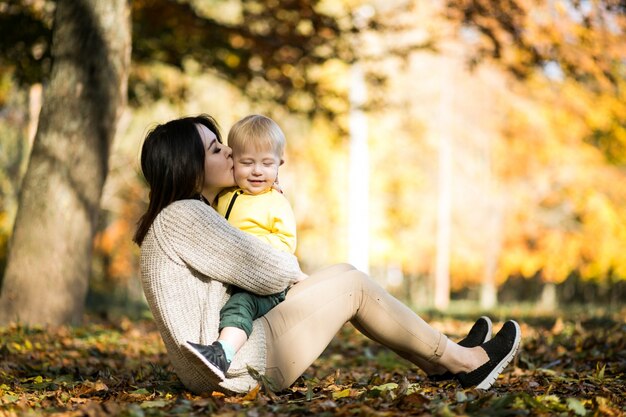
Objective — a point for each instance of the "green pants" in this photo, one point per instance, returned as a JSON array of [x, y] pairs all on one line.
[[244, 307]]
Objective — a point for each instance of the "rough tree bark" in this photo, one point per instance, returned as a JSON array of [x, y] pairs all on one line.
[[49, 259]]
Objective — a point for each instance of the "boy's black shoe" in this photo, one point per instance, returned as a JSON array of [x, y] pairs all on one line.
[[478, 334], [212, 357], [501, 351]]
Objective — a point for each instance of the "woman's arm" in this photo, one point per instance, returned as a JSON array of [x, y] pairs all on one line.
[[203, 240]]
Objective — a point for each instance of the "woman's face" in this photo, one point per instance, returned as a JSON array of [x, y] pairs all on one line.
[[218, 164]]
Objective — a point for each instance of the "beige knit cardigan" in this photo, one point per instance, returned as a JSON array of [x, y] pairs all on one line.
[[190, 257]]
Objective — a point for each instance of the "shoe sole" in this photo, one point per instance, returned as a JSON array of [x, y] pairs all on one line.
[[202, 362], [493, 375]]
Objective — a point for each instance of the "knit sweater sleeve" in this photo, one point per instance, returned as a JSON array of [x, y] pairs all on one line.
[[198, 236]]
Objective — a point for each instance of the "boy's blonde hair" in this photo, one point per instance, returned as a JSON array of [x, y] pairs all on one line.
[[259, 132]]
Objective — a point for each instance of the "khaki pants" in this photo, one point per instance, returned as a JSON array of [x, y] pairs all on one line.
[[302, 326]]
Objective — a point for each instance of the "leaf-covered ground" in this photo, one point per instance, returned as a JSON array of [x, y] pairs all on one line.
[[568, 366]]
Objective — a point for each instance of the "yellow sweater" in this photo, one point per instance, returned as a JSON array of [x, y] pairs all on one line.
[[267, 216]]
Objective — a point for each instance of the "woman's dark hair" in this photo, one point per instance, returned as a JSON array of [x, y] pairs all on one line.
[[172, 162]]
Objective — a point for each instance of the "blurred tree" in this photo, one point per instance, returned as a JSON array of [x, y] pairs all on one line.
[[296, 54], [569, 58], [265, 48], [567, 203], [25, 33], [268, 49], [50, 251], [584, 41], [273, 51], [14, 149]]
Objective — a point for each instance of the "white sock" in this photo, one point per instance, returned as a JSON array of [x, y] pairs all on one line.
[[229, 350]]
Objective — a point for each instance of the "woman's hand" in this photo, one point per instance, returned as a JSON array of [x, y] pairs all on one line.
[[302, 277]]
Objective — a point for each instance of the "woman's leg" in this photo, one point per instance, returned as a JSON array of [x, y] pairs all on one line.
[[431, 368], [300, 328]]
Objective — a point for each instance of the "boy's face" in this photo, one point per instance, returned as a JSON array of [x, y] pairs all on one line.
[[255, 171]]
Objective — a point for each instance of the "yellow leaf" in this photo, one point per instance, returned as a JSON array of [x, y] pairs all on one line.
[[341, 394], [100, 386], [385, 387], [252, 394], [153, 404]]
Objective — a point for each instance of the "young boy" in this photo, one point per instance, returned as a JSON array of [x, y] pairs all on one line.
[[255, 207]]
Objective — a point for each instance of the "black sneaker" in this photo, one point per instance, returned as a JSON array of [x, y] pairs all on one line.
[[212, 357], [501, 351], [478, 334]]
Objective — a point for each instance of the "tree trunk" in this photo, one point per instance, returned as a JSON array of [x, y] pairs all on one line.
[[549, 300], [489, 289], [444, 182], [50, 252], [358, 192]]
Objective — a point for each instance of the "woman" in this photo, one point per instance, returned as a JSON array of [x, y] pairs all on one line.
[[191, 258]]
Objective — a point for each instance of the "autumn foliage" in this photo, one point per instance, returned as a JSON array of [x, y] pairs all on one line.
[[566, 366], [529, 92]]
